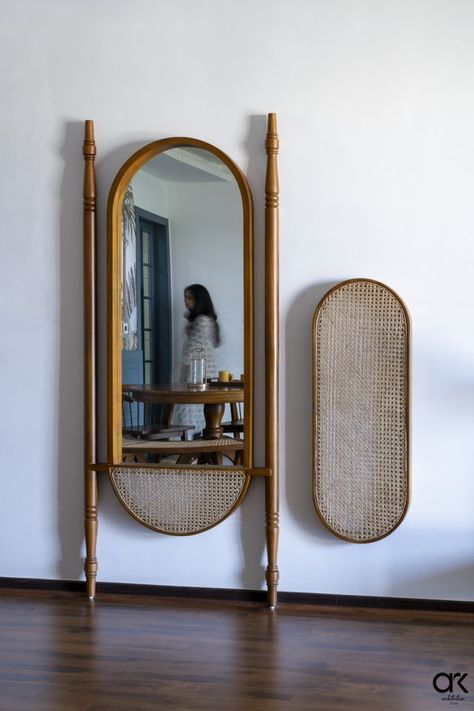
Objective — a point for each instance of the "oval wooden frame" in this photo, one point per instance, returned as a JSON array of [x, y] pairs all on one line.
[[114, 258], [407, 409]]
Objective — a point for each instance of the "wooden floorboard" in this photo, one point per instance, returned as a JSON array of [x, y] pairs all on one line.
[[59, 652]]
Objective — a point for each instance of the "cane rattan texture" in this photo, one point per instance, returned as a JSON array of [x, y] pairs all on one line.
[[361, 390], [130, 444], [178, 502]]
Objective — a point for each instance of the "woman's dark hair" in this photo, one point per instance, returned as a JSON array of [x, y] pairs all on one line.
[[203, 306]]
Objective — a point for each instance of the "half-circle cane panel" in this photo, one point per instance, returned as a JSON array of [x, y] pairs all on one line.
[[361, 337], [179, 502]]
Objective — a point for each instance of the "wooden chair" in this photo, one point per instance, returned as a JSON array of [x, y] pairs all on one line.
[[186, 451], [235, 426], [162, 430]]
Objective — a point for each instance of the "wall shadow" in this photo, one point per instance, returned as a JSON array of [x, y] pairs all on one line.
[[445, 585], [252, 536], [70, 468], [297, 429], [256, 170], [252, 510]]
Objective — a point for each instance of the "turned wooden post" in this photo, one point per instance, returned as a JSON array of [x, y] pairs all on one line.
[[272, 358], [90, 444]]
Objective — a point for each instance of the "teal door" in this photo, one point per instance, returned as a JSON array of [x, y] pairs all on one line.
[[150, 363]]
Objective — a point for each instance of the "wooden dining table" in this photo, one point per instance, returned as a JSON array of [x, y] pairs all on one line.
[[214, 399]]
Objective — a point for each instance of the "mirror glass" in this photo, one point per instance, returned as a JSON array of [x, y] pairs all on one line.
[[183, 300]]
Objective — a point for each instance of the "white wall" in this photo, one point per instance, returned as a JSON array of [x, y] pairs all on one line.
[[150, 193], [206, 247], [376, 111]]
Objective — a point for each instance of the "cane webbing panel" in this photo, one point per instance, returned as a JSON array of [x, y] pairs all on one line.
[[178, 502], [131, 444], [361, 351]]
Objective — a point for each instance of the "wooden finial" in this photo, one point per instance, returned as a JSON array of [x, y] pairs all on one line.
[[89, 142], [89, 151], [272, 142]]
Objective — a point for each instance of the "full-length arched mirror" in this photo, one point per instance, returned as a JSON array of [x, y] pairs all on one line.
[[180, 340], [180, 282]]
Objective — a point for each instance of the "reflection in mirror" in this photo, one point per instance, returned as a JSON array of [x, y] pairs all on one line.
[[182, 299]]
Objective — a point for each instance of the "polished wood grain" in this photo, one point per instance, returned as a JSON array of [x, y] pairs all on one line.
[[191, 447], [213, 398], [59, 652], [90, 400], [254, 471], [175, 393], [272, 344]]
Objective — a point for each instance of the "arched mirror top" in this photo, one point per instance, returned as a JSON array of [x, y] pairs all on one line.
[[180, 276], [151, 150]]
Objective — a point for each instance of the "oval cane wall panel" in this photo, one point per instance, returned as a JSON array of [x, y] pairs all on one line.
[[361, 344], [179, 502]]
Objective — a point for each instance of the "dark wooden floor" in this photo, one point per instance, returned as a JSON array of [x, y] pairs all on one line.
[[58, 652]]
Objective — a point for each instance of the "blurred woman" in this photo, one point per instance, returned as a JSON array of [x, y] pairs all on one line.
[[201, 327]]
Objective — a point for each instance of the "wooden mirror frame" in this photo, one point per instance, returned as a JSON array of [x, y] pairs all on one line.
[[114, 266], [114, 411]]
